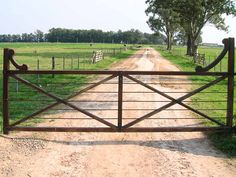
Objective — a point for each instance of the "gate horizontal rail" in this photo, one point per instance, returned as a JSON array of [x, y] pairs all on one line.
[[121, 77], [84, 72], [140, 129]]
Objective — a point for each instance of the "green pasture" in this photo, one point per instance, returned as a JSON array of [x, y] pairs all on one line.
[[30, 53]]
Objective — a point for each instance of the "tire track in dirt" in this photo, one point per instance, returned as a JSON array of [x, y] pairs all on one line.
[[117, 154]]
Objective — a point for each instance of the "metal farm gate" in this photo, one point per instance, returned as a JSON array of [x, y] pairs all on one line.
[[114, 115]]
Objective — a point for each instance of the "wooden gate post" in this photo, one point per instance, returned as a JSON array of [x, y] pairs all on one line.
[[120, 100], [6, 67], [230, 91]]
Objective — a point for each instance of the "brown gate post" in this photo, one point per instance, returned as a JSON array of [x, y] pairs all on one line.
[[230, 96], [120, 100], [5, 90]]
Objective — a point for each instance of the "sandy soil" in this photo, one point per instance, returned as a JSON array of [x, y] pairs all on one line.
[[118, 154]]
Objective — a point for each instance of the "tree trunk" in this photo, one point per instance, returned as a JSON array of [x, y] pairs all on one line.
[[169, 41], [194, 46], [189, 48]]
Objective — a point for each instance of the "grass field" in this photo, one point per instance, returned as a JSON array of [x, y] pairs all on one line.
[[30, 53], [226, 143]]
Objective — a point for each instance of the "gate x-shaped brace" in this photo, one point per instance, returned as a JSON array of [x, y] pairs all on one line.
[[173, 101], [64, 101]]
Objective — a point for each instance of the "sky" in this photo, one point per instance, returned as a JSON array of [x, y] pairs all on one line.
[[20, 16]]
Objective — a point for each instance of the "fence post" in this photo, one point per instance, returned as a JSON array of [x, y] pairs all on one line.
[[230, 96], [5, 90], [53, 65], [114, 52], [63, 64], [71, 63], [78, 62], [120, 100], [94, 57]]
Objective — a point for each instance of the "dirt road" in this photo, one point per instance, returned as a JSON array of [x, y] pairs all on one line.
[[117, 154]]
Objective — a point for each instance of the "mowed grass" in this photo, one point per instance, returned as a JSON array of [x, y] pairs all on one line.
[[60, 85], [224, 142]]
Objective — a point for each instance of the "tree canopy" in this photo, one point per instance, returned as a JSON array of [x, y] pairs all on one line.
[[163, 19], [193, 15]]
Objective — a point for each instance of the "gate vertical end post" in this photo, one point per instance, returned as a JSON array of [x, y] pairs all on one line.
[[230, 89], [6, 67], [120, 100]]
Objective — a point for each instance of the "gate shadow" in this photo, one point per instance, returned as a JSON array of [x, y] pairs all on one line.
[[196, 146]]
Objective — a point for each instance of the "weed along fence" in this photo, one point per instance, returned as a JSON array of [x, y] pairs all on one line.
[[116, 101]]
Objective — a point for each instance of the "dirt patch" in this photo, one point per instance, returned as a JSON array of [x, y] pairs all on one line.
[[118, 154]]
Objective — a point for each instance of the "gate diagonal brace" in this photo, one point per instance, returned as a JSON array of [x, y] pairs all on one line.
[[57, 103], [59, 100], [174, 101]]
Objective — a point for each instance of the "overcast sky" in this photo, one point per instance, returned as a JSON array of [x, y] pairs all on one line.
[[19, 16]]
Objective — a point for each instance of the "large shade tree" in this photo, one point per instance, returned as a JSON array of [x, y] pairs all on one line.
[[162, 19], [193, 15]]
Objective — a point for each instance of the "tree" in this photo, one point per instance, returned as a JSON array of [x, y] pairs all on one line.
[[163, 19], [39, 36], [195, 14], [181, 38], [70, 35]]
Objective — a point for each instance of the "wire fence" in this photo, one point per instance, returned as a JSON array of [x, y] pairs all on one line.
[[73, 62], [203, 58]]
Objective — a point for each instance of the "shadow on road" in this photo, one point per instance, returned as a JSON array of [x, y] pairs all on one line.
[[192, 146]]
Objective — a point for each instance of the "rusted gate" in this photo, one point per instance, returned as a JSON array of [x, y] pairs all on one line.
[[116, 83]]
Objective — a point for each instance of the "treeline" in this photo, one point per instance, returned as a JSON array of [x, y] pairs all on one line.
[[87, 36]]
